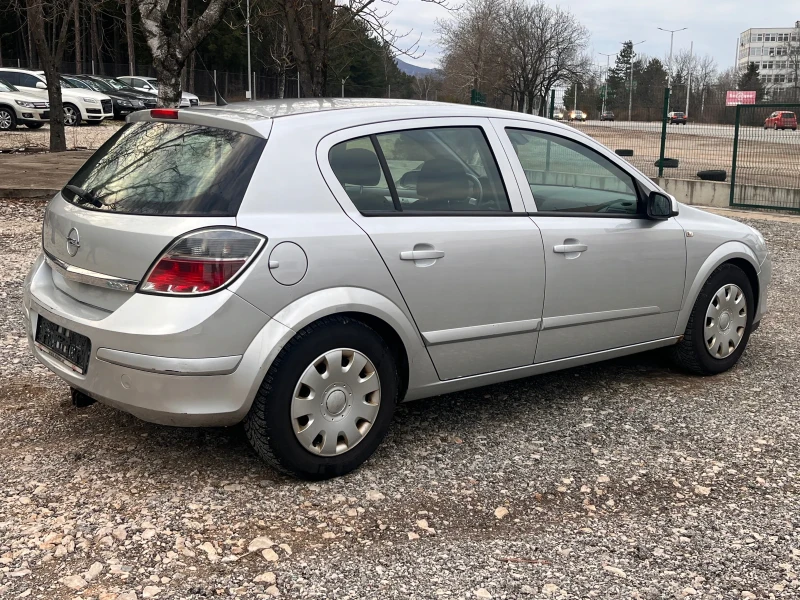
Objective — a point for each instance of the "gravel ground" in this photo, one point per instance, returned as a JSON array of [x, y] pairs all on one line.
[[83, 136], [625, 479]]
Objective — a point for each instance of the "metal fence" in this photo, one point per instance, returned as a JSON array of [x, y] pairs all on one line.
[[765, 170]]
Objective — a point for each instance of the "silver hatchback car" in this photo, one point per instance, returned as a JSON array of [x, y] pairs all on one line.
[[303, 266]]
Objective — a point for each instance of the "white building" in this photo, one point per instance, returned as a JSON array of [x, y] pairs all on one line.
[[773, 50]]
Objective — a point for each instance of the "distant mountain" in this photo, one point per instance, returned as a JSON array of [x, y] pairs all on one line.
[[413, 70]]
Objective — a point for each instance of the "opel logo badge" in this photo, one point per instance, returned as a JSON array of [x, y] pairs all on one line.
[[73, 242]]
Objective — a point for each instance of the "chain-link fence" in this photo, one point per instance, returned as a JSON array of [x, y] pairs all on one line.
[[766, 157]]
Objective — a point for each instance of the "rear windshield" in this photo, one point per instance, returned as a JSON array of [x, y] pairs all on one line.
[[168, 169], [788, 115]]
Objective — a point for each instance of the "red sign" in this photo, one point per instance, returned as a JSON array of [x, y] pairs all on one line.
[[740, 97]]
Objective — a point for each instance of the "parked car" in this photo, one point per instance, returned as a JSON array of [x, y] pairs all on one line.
[[607, 116], [242, 264], [79, 104], [19, 108], [677, 118], [577, 115], [781, 119], [150, 85], [150, 101], [124, 103]]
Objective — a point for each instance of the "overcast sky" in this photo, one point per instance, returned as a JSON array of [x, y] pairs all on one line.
[[713, 25]]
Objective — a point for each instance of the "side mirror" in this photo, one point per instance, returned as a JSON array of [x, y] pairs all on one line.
[[661, 207], [40, 86]]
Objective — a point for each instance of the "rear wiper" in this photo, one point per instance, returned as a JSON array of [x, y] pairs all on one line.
[[84, 195]]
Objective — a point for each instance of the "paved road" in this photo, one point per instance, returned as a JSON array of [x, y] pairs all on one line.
[[703, 130]]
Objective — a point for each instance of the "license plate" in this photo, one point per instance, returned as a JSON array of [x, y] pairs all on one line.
[[70, 348]]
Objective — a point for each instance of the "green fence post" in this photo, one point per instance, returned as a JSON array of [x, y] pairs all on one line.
[[552, 101], [664, 113], [735, 151]]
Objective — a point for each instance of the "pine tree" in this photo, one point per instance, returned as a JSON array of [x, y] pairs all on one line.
[[749, 80]]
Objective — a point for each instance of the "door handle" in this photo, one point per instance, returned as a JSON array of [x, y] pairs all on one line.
[[421, 254], [569, 248]]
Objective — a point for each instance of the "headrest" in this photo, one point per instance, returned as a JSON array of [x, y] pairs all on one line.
[[356, 166], [442, 178]]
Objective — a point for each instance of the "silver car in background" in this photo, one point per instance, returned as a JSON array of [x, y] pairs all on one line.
[[303, 266]]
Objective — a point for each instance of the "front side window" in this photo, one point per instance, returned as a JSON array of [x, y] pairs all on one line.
[[565, 176], [442, 169], [163, 169], [7, 87]]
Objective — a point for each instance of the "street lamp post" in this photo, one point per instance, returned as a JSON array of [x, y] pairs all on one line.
[[671, 33], [689, 81], [630, 92], [605, 87], [249, 76]]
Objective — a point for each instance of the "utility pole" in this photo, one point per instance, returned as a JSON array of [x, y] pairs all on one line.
[[630, 92], [575, 100], [345, 79], [689, 82], [605, 86], [671, 33], [249, 80]]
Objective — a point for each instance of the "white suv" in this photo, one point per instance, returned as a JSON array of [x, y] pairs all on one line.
[[18, 108], [79, 104]]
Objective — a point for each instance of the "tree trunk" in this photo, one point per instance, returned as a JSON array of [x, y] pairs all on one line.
[[169, 81], [32, 46], [51, 59], [78, 53], [129, 35], [184, 23]]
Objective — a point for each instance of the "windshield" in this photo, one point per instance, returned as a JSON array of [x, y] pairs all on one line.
[[117, 85], [66, 83], [7, 87], [168, 169], [100, 85]]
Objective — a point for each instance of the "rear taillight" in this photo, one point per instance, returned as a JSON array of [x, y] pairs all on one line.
[[201, 262]]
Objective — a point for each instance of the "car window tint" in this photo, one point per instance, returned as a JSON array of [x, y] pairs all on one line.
[[444, 169], [27, 80], [11, 77], [358, 169], [566, 176]]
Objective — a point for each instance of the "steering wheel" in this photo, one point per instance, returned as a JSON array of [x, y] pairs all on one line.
[[476, 185]]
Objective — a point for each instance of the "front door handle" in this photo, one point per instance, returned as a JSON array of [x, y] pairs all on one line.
[[569, 248], [421, 254]]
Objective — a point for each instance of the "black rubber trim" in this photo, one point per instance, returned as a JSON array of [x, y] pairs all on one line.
[[557, 213], [387, 174], [445, 213]]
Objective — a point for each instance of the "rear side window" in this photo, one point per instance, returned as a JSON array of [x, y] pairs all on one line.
[[442, 169], [27, 80], [11, 77], [168, 169]]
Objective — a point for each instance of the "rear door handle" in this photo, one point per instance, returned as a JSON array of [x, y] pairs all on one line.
[[568, 248], [421, 254]]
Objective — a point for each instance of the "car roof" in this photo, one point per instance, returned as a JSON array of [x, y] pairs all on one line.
[[333, 113]]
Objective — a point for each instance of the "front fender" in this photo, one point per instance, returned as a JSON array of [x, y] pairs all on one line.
[[302, 312], [694, 282]]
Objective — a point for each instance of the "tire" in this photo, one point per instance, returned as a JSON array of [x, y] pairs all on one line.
[[669, 163], [8, 120], [72, 116], [691, 352], [713, 175], [94, 122], [624, 152], [34, 125], [269, 425]]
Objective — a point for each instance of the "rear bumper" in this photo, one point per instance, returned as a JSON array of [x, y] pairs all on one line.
[[145, 363]]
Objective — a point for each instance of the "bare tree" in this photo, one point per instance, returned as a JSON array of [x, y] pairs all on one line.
[[169, 47], [56, 15], [129, 37], [704, 74], [793, 59], [78, 48], [426, 85]]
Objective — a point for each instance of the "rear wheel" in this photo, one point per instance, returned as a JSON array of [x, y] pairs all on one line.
[[720, 324], [326, 402], [8, 120], [72, 116]]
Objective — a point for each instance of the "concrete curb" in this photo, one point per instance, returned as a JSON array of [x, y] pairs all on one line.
[[28, 193]]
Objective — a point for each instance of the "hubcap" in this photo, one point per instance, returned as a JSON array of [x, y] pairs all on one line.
[[69, 116], [336, 402], [5, 120], [726, 320]]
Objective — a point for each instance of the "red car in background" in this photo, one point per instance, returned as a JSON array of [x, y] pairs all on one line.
[[781, 119]]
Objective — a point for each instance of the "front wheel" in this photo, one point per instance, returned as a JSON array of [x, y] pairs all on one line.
[[34, 125], [72, 116], [720, 324], [8, 120], [326, 402]]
